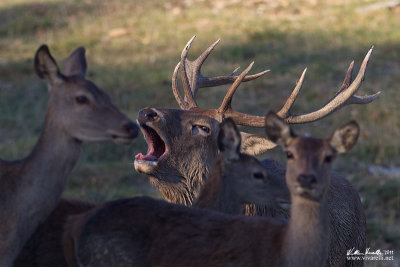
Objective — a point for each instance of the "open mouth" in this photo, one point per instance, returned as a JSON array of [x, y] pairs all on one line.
[[156, 146]]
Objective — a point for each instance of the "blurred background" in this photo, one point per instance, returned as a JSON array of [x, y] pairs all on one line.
[[132, 48]]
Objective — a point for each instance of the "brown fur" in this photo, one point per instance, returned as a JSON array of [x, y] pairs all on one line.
[[31, 187], [44, 248], [179, 179]]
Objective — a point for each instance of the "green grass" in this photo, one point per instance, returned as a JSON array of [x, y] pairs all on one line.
[[133, 46]]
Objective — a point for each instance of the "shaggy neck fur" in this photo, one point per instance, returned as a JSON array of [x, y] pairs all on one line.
[[182, 180]]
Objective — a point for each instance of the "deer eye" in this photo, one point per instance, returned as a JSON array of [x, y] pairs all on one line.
[[205, 129], [82, 99], [201, 129], [289, 155], [258, 175], [329, 159]]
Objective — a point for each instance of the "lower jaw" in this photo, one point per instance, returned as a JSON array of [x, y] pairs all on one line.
[[145, 166]]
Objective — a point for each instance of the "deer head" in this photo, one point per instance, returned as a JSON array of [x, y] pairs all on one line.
[[309, 159], [238, 178], [81, 109], [182, 143]]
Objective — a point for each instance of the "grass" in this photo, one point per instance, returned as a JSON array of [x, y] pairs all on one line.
[[133, 46]]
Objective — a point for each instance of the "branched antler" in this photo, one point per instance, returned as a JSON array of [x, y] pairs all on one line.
[[192, 80]]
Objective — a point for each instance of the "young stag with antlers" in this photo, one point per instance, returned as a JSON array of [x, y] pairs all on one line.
[[157, 233], [182, 146], [77, 111]]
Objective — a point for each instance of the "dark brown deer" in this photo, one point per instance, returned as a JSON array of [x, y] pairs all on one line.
[[44, 248], [147, 232], [236, 179], [182, 146], [77, 111]]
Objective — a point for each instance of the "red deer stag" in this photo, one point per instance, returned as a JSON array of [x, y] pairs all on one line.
[[236, 179], [77, 111], [146, 232], [182, 146]]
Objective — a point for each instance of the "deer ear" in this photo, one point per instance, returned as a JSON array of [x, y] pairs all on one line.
[[75, 63], [45, 65], [253, 144], [278, 131], [344, 138], [229, 139]]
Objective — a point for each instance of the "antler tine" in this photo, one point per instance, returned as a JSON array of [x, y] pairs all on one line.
[[284, 111], [344, 97], [195, 68], [227, 101], [347, 79], [354, 99], [181, 102], [221, 80], [185, 80], [362, 99], [193, 71]]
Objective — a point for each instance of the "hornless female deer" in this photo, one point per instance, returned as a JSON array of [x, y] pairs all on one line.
[[182, 147], [77, 111], [146, 232], [237, 179]]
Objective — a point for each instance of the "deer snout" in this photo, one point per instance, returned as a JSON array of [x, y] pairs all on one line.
[[307, 180], [147, 115], [131, 128]]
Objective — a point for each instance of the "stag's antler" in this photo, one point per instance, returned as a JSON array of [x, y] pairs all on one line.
[[192, 80]]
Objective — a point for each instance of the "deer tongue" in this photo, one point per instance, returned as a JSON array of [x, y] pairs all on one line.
[[140, 156]]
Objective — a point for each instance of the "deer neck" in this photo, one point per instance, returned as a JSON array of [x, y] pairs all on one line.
[[44, 174], [181, 184], [217, 193], [307, 237], [174, 192]]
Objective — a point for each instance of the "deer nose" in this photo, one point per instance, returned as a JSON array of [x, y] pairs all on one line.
[[131, 128], [307, 180], [147, 115]]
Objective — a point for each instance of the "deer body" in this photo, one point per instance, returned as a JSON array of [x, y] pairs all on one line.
[[197, 237], [44, 247], [180, 178], [179, 159], [77, 111], [162, 234]]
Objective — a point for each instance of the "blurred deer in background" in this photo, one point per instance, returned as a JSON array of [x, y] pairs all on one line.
[[182, 146], [77, 111], [146, 232]]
